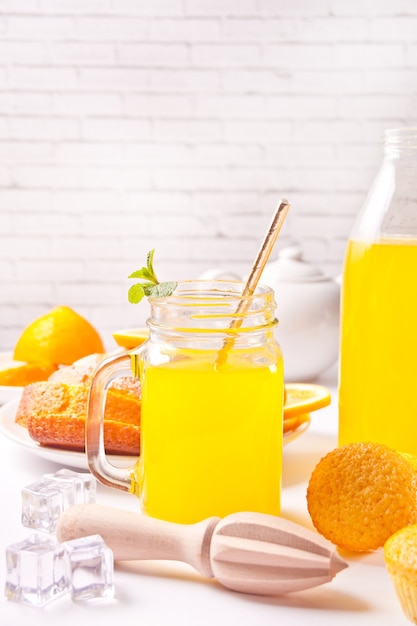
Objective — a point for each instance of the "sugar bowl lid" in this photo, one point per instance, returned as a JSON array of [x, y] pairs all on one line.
[[290, 267]]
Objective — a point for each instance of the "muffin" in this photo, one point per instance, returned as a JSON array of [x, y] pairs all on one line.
[[400, 553], [360, 494]]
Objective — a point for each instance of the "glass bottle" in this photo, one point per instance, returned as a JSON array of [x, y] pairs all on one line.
[[378, 344]]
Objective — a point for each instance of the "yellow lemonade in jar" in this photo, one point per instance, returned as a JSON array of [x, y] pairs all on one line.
[[212, 395], [378, 367], [212, 436]]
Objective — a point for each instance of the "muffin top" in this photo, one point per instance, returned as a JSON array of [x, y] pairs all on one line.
[[401, 548], [362, 493]]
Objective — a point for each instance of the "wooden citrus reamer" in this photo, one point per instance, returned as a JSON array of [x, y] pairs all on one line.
[[247, 552]]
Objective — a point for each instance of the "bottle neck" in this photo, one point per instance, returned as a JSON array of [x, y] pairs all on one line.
[[389, 212], [401, 143]]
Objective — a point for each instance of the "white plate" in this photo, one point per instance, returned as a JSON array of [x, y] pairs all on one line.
[[20, 435], [7, 392]]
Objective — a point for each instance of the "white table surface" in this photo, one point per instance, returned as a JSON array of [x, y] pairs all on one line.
[[155, 593]]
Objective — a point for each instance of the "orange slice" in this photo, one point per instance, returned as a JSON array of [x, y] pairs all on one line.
[[19, 374], [301, 398], [293, 423], [130, 338]]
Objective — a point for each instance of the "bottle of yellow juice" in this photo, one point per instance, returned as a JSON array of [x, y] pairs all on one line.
[[378, 348]]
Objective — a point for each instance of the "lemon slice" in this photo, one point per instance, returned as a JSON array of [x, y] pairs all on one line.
[[130, 338], [301, 398]]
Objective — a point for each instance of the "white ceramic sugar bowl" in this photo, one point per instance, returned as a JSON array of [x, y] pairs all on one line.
[[308, 304]]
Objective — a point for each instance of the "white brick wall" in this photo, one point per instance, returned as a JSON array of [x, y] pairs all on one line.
[[177, 124]]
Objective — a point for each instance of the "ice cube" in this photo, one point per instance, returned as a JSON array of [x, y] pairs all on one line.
[[43, 501], [89, 568], [85, 484], [36, 572]]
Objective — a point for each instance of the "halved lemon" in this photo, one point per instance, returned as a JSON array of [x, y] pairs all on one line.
[[60, 336], [301, 398], [130, 338]]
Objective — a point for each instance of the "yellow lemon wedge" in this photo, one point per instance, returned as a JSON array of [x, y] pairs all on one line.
[[302, 398], [130, 338]]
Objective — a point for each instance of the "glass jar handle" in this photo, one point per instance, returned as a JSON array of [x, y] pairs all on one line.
[[108, 370]]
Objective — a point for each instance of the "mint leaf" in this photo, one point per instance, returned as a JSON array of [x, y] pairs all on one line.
[[149, 261], [147, 272], [135, 294], [143, 273], [150, 286], [161, 290]]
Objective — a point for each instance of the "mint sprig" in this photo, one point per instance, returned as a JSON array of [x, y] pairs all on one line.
[[149, 285]]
